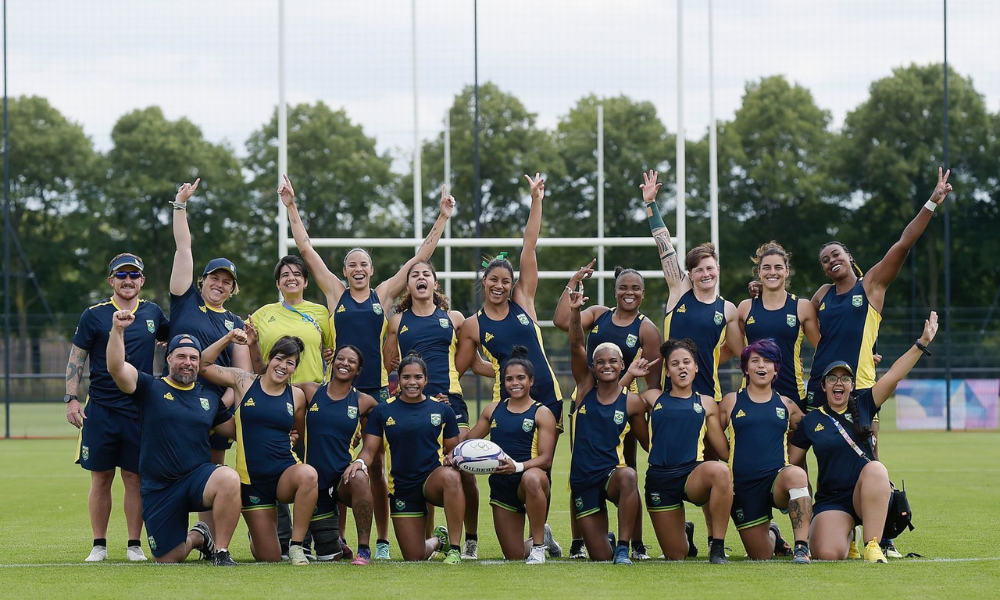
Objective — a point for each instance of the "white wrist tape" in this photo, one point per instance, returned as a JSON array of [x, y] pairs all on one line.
[[518, 467], [929, 205]]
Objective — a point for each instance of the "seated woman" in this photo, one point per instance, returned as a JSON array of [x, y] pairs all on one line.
[[526, 431], [605, 413], [269, 409], [418, 434], [852, 487], [681, 422]]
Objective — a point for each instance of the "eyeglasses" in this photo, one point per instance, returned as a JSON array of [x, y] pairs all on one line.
[[128, 274], [832, 379]]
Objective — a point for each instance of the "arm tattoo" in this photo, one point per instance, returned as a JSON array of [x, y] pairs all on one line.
[[74, 368]]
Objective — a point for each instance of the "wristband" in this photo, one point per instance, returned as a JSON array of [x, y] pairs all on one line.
[[360, 461], [930, 205], [518, 467], [178, 205], [655, 220], [920, 346]]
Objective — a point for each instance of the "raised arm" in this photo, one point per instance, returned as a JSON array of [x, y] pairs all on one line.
[[561, 317], [257, 364], [328, 282], [882, 274], [677, 282], [182, 272], [394, 286], [886, 384], [578, 347], [527, 279], [233, 336], [232, 377], [124, 374]]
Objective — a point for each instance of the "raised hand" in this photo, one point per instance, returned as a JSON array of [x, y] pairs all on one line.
[[285, 191], [930, 329], [585, 273], [250, 331], [238, 337], [943, 188], [537, 187], [577, 299], [649, 186], [640, 367], [186, 190], [123, 319], [447, 203]]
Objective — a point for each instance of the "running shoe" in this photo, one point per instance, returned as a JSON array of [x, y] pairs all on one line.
[[97, 554], [717, 555], [689, 531], [890, 550], [297, 555], [207, 547], [854, 552], [800, 555], [873, 553], [639, 552], [441, 533], [135, 554], [454, 557], [553, 547], [781, 547], [537, 556], [363, 558], [347, 553], [382, 551], [223, 559], [578, 550], [471, 550], [621, 556]]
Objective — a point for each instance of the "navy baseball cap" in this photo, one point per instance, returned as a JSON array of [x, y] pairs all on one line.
[[125, 260], [838, 364], [183, 340], [217, 264]]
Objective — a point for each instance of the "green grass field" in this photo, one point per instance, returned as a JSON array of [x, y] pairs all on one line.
[[952, 480]]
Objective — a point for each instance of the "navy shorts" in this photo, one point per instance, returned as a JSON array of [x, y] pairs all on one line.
[[109, 439], [260, 494], [753, 501], [326, 501], [593, 498], [842, 501], [410, 502], [503, 491], [380, 394], [461, 409], [166, 510], [666, 488]]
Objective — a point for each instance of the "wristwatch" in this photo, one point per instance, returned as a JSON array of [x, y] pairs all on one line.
[[68, 397]]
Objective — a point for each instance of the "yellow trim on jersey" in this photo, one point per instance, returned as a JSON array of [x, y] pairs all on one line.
[[866, 360], [496, 368], [666, 336], [534, 440], [454, 381], [800, 383], [213, 309], [552, 374], [177, 386], [716, 354], [731, 434], [391, 483], [241, 456], [701, 438], [621, 442], [384, 382]]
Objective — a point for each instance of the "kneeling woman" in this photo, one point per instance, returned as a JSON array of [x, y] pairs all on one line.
[[269, 408], [681, 422], [526, 431], [418, 434], [605, 413], [852, 487], [758, 420], [335, 413]]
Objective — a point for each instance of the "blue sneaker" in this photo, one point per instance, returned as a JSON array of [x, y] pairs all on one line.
[[621, 556]]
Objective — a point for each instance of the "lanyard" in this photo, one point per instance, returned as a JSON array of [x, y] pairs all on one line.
[[319, 330], [846, 437]]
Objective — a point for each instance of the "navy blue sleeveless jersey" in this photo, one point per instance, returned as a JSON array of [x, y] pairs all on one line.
[[677, 433], [330, 428], [598, 439], [435, 338], [175, 424], [413, 436], [515, 433], [91, 335], [757, 437], [498, 338], [363, 324], [191, 316], [626, 338], [263, 422], [784, 327], [705, 324], [839, 465], [848, 324]]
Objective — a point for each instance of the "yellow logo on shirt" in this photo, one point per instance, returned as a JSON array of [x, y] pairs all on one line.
[[404, 330], [493, 424], [249, 402], [819, 427], [583, 410], [390, 422], [203, 308], [314, 408], [341, 308], [682, 309], [594, 330], [168, 396], [740, 414], [489, 336], [822, 306], [658, 407], [751, 321]]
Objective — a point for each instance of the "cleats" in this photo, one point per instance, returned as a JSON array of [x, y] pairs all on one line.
[[382, 551], [441, 533], [578, 550], [717, 555], [135, 554], [553, 547], [890, 550], [364, 557], [800, 555], [453, 557], [537, 556], [873, 553], [222, 558], [207, 547], [97, 554], [689, 532], [471, 550], [297, 555], [781, 547], [639, 552], [621, 556]]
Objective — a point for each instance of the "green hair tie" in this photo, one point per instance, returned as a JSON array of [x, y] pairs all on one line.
[[499, 256]]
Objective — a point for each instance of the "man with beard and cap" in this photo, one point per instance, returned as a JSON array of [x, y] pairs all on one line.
[[178, 477], [109, 424]]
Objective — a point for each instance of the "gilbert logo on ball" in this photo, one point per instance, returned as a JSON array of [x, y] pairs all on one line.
[[480, 457]]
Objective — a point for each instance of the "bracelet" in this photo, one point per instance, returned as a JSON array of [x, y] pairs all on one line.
[[920, 346], [930, 205], [361, 461], [518, 467], [178, 205]]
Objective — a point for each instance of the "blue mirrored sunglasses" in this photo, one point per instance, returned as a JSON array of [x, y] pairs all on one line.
[[129, 274]]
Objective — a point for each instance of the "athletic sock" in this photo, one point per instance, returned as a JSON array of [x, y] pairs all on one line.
[[363, 547], [623, 544], [134, 543], [378, 541], [101, 542], [472, 536], [294, 543], [710, 539], [636, 544], [454, 547], [801, 543]]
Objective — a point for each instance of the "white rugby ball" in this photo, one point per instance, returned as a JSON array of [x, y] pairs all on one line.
[[480, 457]]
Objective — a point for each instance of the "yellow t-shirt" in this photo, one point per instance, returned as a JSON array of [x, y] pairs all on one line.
[[273, 321]]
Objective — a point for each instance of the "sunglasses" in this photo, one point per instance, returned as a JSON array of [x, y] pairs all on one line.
[[128, 274], [833, 379]]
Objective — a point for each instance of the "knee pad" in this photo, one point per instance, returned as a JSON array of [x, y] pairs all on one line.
[[326, 536], [796, 493]]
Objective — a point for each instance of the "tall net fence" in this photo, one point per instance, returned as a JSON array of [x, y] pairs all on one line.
[[830, 126]]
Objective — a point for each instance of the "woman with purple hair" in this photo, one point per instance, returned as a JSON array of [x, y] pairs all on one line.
[[757, 420]]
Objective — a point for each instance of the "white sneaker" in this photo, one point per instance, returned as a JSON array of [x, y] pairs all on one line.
[[97, 554], [537, 556], [135, 554], [471, 550], [555, 550]]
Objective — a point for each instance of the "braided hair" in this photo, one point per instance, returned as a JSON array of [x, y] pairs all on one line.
[[854, 266], [863, 431]]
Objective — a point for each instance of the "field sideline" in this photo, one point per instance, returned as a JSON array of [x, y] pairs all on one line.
[[46, 536]]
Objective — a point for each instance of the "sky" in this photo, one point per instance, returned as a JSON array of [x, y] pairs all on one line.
[[215, 61]]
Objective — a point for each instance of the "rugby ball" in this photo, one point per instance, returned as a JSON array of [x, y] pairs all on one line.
[[479, 457]]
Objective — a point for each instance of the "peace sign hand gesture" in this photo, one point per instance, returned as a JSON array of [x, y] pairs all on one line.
[[285, 191], [186, 191], [649, 186], [537, 187], [943, 188]]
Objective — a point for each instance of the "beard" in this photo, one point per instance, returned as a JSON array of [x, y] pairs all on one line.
[[182, 377]]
